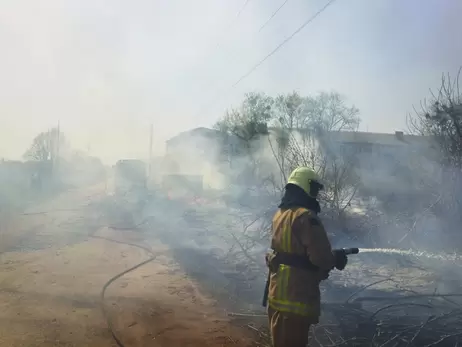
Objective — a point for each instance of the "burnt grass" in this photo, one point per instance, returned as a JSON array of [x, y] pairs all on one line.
[[229, 284], [386, 321]]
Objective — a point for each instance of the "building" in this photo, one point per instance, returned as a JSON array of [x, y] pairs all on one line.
[[350, 142], [380, 159], [197, 158], [397, 168], [188, 151], [212, 143]]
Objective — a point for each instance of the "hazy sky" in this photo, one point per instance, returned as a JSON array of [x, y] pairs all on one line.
[[107, 68]]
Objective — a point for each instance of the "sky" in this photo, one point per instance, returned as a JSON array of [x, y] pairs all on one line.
[[106, 69]]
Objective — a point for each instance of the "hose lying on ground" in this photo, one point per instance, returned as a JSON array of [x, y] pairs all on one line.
[[108, 283]]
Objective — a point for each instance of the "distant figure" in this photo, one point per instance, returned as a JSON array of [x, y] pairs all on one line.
[[302, 257]]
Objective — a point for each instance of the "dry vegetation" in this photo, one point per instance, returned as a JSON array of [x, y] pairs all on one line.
[[382, 301], [405, 314]]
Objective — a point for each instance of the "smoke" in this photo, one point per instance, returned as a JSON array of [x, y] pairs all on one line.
[[414, 192], [397, 215], [394, 191], [106, 70]]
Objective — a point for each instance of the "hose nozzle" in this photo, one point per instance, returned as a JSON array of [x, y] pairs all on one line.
[[353, 250]]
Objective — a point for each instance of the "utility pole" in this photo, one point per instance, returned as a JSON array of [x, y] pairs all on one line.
[[50, 155], [150, 152], [58, 137]]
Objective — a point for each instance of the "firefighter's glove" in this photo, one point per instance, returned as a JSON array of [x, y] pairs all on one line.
[[341, 259], [324, 275]]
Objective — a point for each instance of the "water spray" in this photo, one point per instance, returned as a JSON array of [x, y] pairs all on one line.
[[414, 253]]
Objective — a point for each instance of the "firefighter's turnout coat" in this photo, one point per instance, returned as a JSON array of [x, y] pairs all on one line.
[[299, 231]]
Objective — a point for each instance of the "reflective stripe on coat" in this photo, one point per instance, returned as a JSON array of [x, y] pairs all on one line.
[[299, 231]]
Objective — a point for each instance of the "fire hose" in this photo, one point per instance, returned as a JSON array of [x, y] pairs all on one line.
[[114, 278], [305, 263]]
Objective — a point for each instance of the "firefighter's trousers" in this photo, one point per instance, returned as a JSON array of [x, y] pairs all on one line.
[[288, 329]]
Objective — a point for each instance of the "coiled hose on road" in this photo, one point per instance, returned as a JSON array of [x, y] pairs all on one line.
[[114, 278], [111, 280]]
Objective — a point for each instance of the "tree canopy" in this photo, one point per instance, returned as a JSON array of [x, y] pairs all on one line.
[[292, 119], [45, 146], [326, 111], [441, 118]]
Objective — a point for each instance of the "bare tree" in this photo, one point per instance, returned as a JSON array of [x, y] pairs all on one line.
[[45, 146], [250, 119], [294, 148], [326, 111], [289, 110], [302, 133], [441, 118], [307, 135], [243, 128], [44, 150]]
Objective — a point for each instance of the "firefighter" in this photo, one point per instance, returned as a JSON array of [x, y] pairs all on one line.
[[302, 257]]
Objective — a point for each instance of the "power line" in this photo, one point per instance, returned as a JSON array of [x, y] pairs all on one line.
[[234, 21], [217, 45], [242, 8], [273, 15], [256, 66], [269, 55]]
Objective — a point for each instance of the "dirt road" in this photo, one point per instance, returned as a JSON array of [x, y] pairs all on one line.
[[52, 271]]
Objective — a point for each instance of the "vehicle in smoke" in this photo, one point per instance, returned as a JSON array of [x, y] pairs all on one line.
[[129, 176], [182, 184]]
